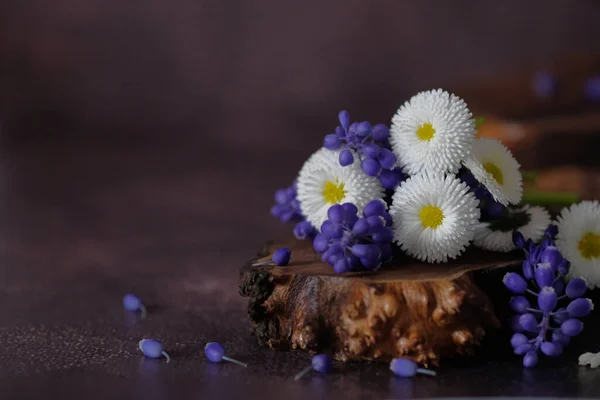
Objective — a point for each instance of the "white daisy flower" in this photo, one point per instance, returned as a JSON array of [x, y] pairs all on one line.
[[322, 182], [591, 359], [493, 165], [578, 240], [432, 131], [496, 238], [434, 216]]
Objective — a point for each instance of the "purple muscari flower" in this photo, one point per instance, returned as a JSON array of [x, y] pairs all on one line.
[[544, 275], [544, 84], [287, 206], [576, 288], [518, 239], [322, 363], [548, 327], [592, 88], [281, 257], [551, 231], [303, 230], [408, 368], [348, 242], [552, 256], [369, 143]]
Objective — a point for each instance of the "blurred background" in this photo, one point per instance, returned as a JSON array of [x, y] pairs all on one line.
[[142, 141]]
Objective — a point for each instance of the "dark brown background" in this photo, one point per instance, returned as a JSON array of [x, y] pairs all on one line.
[[142, 142]]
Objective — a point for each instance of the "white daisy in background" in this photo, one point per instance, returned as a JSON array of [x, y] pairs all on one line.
[[495, 238], [578, 240], [322, 182], [432, 131], [434, 216], [493, 165], [591, 359]]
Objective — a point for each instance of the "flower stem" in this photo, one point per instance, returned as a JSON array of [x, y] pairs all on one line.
[[540, 197], [530, 176]]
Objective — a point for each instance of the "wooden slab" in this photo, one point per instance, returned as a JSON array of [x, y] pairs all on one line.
[[408, 308]]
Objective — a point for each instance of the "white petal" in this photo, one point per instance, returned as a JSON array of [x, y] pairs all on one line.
[[459, 207], [323, 166], [501, 241], [486, 150], [573, 223], [451, 143]]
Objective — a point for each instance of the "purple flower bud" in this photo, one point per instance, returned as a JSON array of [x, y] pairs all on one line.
[[371, 263], [350, 220], [552, 256], [389, 179], [332, 142], [282, 256], [552, 349], [331, 230], [350, 209], [366, 251], [340, 132], [561, 338], [387, 158], [580, 307], [547, 242], [346, 158], [278, 209], [344, 118], [376, 221], [530, 359], [518, 339], [361, 227], [559, 286], [371, 150], [403, 367], [524, 348], [592, 88], [547, 299], [544, 84], [527, 270], [334, 252], [322, 363], [341, 266], [534, 254], [564, 266], [363, 129], [336, 214], [528, 322], [571, 327], [515, 283], [370, 166], [374, 207], [544, 274], [576, 288], [519, 304], [380, 132], [382, 235], [303, 229], [320, 243], [282, 196], [495, 210], [214, 352], [551, 231], [353, 261]]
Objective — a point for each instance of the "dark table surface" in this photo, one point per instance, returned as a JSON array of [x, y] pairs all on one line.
[[86, 220]]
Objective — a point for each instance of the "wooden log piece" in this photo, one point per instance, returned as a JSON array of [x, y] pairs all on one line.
[[407, 309]]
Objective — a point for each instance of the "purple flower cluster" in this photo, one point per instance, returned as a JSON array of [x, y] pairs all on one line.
[[541, 324], [287, 209], [287, 206], [370, 144], [350, 243]]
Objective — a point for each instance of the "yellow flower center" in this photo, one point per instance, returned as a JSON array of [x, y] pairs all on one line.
[[589, 245], [425, 132], [494, 171], [431, 216], [333, 192]]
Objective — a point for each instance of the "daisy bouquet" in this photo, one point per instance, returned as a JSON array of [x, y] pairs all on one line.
[[429, 187]]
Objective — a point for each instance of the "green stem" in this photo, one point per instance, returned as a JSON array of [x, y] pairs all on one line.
[[533, 196], [529, 176]]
